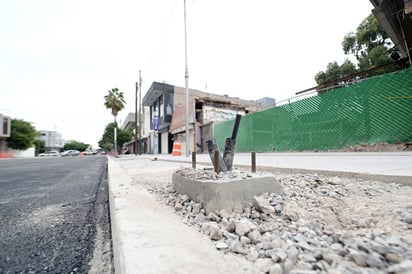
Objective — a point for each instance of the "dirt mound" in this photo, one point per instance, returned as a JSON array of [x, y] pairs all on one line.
[[378, 147]]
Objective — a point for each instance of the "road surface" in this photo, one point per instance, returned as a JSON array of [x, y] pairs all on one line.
[[54, 216]]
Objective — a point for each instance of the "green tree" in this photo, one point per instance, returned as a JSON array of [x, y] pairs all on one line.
[[123, 136], [40, 146], [22, 135], [369, 45], [114, 100], [376, 57], [368, 36], [335, 71], [75, 146]]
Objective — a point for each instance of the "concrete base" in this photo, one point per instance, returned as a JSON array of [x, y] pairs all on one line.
[[217, 195]]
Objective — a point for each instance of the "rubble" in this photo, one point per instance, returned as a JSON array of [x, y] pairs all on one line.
[[319, 224], [210, 174]]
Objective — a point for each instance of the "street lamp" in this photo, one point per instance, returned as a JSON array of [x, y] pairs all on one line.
[[186, 85]]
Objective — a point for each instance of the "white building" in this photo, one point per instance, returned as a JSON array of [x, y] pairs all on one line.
[[52, 139]]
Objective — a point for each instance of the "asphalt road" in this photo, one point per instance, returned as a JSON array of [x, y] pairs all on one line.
[[54, 216]]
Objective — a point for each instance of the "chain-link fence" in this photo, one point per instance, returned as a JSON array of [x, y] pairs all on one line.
[[376, 110]]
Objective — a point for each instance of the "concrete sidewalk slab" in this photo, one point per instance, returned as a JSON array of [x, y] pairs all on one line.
[[380, 166], [150, 238]]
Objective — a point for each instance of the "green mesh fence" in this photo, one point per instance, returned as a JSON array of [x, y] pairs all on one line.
[[377, 110]]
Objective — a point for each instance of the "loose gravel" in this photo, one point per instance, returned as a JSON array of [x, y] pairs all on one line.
[[319, 224]]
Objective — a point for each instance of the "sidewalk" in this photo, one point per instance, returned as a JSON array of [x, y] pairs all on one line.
[[149, 237], [382, 166]]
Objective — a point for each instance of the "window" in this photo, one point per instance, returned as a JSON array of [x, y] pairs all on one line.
[[169, 103], [161, 108], [155, 107]]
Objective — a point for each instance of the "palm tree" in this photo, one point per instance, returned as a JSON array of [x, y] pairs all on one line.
[[114, 100]]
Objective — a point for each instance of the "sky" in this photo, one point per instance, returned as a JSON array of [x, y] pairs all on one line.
[[59, 58]]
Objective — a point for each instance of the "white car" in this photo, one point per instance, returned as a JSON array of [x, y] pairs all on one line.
[[70, 153], [52, 153]]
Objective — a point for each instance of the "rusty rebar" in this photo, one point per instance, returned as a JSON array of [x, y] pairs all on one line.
[[253, 158], [216, 161], [193, 159]]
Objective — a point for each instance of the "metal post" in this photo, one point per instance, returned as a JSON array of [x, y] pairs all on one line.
[[186, 85], [253, 155], [140, 113], [136, 150], [193, 159], [216, 155], [194, 125], [230, 143], [48, 140], [115, 138], [213, 148]]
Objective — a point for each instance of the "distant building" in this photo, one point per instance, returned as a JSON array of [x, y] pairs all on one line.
[[129, 123], [5, 128], [52, 139], [266, 102]]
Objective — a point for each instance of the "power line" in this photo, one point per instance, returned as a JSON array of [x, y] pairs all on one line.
[[166, 25]]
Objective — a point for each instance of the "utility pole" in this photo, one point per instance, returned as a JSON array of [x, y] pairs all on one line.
[[186, 85], [140, 112], [194, 126], [136, 142], [48, 140], [115, 137]]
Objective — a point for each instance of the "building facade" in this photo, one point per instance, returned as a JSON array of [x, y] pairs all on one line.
[[167, 116], [5, 129], [142, 128], [53, 140], [159, 100], [267, 102]]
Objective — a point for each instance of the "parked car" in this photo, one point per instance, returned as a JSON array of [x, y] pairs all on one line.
[[52, 153], [70, 153], [90, 152]]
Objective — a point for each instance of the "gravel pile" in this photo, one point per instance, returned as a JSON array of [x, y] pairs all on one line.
[[319, 224]]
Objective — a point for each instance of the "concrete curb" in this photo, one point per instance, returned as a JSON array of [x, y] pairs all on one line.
[[115, 173]]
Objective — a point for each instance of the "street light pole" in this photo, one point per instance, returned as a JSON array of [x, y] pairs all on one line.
[[140, 112], [186, 85], [48, 138], [136, 142], [115, 138]]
